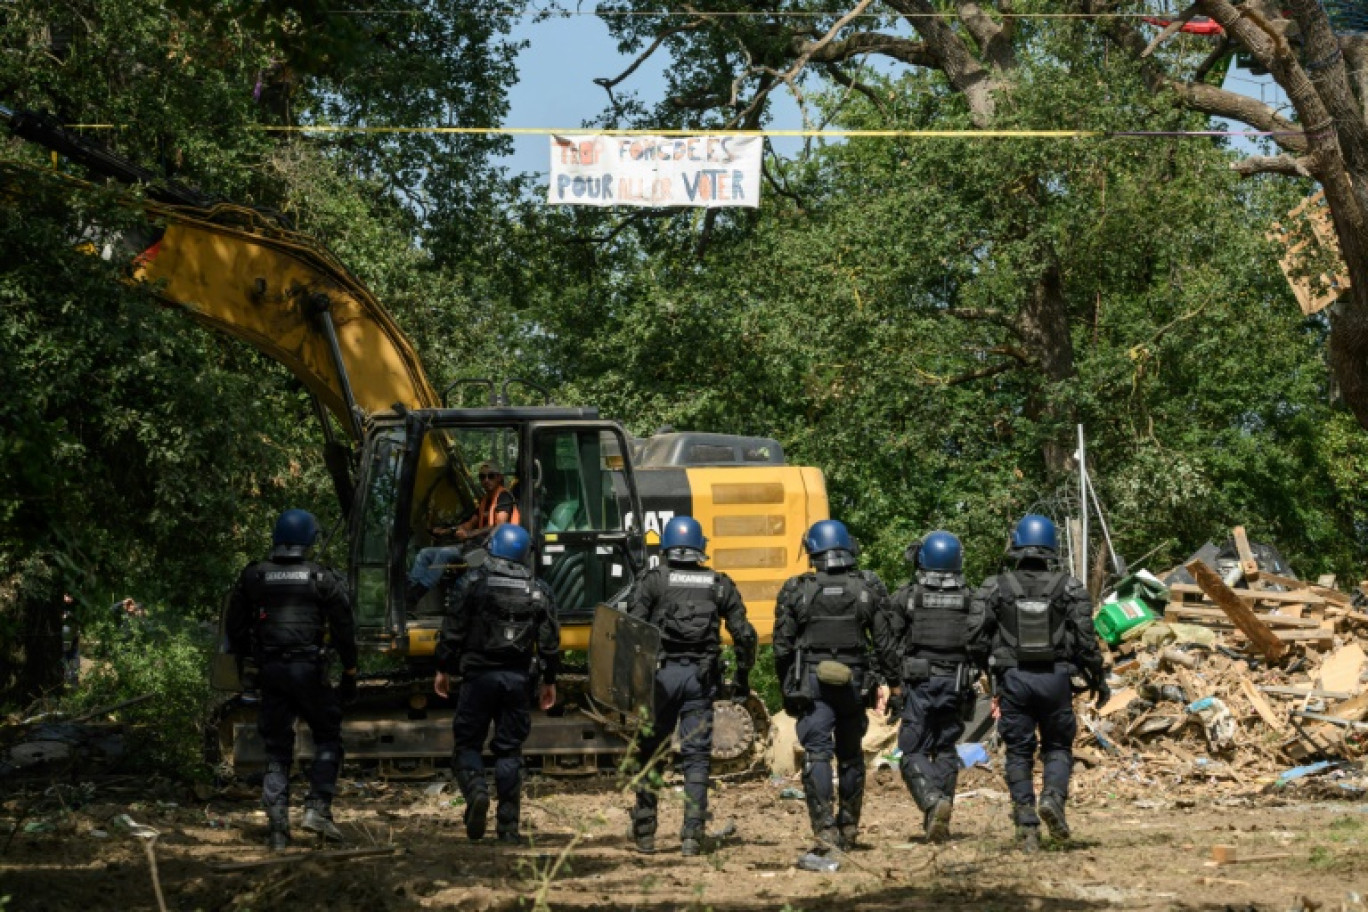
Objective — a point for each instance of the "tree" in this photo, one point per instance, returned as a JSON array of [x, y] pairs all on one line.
[[871, 313], [1324, 71]]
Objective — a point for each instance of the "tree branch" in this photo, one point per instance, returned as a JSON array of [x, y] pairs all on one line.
[[965, 73], [913, 53], [1278, 164], [840, 77], [994, 40]]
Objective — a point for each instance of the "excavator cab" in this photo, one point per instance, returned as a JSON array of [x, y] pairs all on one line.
[[572, 485]]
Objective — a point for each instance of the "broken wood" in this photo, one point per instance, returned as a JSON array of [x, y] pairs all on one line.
[[275, 860], [1248, 564], [1280, 691], [1185, 612], [1297, 596], [1261, 707], [1243, 616]]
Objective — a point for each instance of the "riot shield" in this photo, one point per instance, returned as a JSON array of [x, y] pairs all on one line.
[[623, 653]]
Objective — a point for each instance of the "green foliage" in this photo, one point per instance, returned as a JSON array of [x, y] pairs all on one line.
[[164, 656]]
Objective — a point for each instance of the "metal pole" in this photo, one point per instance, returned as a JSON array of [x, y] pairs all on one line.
[[1106, 533], [1083, 502]]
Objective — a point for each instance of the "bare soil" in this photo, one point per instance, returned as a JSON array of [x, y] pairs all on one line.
[[62, 848]]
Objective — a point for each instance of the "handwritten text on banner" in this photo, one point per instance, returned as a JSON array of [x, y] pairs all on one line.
[[606, 170]]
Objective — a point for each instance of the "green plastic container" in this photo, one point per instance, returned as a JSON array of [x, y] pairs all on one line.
[[1116, 619]]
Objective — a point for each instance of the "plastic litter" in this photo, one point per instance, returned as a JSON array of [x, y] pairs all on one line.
[[820, 863], [791, 793], [1217, 720], [1301, 772], [972, 754]]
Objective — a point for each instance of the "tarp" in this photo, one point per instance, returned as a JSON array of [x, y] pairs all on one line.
[[709, 171]]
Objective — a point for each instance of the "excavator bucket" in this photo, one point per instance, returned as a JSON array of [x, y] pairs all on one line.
[[623, 652]]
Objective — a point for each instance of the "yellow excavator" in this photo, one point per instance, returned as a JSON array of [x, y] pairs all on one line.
[[593, 498]]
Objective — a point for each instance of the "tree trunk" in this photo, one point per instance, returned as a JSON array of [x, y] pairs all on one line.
[[1044, 331]]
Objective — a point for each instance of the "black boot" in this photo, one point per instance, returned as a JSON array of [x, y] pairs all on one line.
[[1052, 812], [695, 810], [318, 819], [476, 791], [938, 820], [278, 819], [1027, 828], [851, 791], [819, 806], [935, 807], [506, 822], [644, 823]]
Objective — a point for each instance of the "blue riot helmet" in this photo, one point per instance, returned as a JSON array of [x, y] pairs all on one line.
[[294, 534], [940, 552], [1035, 531], [683, 540], [510, 542], [829, 545]]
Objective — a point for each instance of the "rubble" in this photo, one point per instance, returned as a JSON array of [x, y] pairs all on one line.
[[1234, 675]]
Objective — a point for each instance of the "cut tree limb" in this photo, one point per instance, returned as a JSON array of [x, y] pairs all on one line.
[[1244, 618]]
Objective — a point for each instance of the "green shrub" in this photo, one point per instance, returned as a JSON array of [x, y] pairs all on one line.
[[169, 660]]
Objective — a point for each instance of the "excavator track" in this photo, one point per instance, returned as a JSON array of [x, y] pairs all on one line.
[[403, 730]]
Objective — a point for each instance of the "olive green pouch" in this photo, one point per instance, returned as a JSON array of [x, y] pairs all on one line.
[[835, 673]]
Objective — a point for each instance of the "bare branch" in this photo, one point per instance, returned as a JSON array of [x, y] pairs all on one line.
[[840, 77], [610, 84], [1277, 164], [1170, 30], [1221, 49]]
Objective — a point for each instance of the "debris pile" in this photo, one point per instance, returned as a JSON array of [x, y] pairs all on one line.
[[1231, 671]]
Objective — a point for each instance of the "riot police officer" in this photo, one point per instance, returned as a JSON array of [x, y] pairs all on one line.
[[278, 613], [1038, 625], [687, 602], [501, 636], [826, 625], [935, 617]]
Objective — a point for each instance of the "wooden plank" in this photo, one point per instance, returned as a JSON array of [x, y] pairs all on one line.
[[1321, 639], [1261, 706], [1119, 701], [1329, 593], [1248, 564], [1216, 614], [1303, 597], [1280, 691], [1341, 670], [1244, 618]]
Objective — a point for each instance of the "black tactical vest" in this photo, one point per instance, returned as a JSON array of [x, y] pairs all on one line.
[[506, 610], [1033, 625], [938, 623], [687, 613], [830, 612], [286, 601]]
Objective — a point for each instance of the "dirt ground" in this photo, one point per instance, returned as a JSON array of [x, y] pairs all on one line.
[[63, 847]]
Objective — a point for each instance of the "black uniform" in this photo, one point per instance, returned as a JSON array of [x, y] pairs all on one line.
[[838, 616], [1038, 625], [501, 635], [278, 613], [688, 602], [937, 620]]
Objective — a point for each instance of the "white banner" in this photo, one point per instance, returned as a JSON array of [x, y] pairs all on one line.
[[606, 170]]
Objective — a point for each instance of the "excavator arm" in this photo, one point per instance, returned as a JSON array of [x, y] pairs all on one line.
[[245, 272]]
